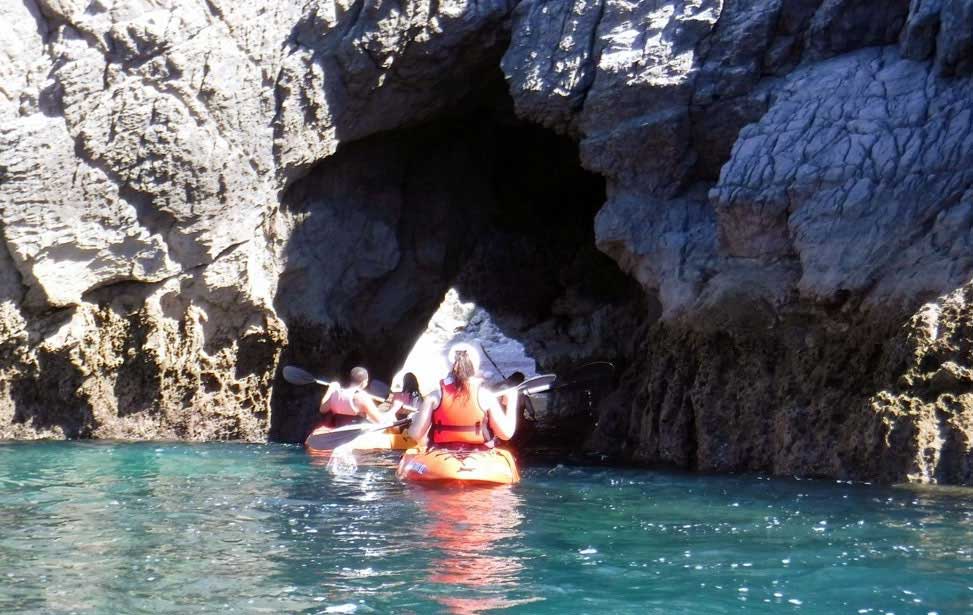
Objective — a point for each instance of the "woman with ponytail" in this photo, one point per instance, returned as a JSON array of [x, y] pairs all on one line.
[[463, 413]]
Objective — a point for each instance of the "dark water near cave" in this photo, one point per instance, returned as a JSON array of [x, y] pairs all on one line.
[[154, 528]]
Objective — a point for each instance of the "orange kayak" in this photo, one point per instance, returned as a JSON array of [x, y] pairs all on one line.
[[491, 465], [389, 439]]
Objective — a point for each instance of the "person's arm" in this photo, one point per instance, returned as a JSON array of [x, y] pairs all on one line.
[[332, 387], [397, 403], [510, 398], [503, 421], [422, 419], [367, 407], [404, 404]]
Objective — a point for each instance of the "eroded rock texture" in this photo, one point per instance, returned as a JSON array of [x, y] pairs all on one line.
[[136, 170], [194, 191], [496, 209], [794, 179]]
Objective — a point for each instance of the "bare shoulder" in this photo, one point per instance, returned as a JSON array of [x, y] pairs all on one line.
[[486, 397], [434, 395]]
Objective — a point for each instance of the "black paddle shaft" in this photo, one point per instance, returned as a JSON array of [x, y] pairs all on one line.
[[344, 435]]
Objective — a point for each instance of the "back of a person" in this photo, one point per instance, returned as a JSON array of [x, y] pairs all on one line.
[[342, 402], [459, 420], [345, 405], [462, 413], [342, 407]]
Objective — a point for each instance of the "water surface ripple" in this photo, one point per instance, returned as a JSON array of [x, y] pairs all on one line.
[[172, 528]]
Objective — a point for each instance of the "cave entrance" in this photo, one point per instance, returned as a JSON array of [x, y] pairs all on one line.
[[477, 200]]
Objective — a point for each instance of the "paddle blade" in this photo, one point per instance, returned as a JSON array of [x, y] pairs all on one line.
[[334, 439], [296, 375], [537, 384], [344, 435], [378, 389], [342, 462]]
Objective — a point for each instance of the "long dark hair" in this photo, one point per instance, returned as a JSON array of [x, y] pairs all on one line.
[[462, 370], [410, 384]]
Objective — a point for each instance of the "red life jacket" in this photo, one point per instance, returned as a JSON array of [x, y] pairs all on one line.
[[458, 419]]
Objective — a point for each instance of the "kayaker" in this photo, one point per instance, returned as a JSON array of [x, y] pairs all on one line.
[[351, 404], [463, 412], [405, 398], [514, 380], [525, 412]]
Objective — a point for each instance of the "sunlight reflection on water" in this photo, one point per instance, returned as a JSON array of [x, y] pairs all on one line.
[[170, 528], [342, 461]]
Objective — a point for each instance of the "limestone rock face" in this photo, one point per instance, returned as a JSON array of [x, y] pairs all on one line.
[[836, 157], [454, 322], [853, 397], [136, 171], [620, 77], [192, 191], [356, 68], [144, 149], [797, 175], [940, 29]]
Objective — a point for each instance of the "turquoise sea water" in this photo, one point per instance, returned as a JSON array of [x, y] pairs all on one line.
[[173, 528]]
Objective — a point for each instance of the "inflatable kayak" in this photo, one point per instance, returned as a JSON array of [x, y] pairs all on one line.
[[480, 465], [388, 439]]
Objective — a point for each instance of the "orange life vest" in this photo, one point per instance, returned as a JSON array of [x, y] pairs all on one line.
[[458, 419]]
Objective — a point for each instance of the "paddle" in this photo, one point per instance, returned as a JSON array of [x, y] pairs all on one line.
[[298, 376], [494, 363], [533, 385], [343, 435], [590, 375]]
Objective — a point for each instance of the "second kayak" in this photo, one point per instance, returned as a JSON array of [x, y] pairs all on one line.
[[388, 439], [486, 465]]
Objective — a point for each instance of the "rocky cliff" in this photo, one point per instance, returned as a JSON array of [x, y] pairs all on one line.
[[763, 210]]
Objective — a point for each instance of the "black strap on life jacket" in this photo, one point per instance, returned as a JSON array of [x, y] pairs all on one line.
[[482, 427]]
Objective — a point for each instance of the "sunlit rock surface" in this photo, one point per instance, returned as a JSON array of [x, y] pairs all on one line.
[[799, 185], [191, 190], [136, 170], [454, 322]]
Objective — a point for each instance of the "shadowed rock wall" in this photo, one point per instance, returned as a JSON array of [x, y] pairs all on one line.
[[792, 179], [478, 201], [144, 149]]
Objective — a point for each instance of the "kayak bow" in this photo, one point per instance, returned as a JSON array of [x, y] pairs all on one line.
[[479, 465]]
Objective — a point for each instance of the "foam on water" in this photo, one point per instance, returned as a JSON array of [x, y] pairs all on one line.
[[342, 461]]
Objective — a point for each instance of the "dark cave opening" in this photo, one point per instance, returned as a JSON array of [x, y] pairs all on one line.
[[477, 200]]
